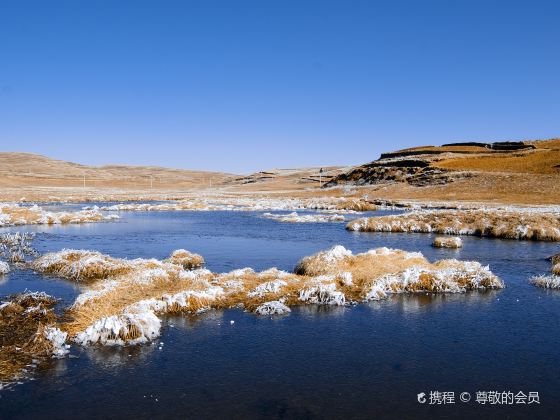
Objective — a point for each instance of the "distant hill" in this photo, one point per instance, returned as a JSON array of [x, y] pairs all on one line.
[[31, 170], [37, 177]]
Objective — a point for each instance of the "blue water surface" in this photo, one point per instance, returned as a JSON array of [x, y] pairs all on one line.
[[364, 361]]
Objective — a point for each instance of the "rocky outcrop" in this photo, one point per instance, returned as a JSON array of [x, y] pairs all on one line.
[[415, 166]]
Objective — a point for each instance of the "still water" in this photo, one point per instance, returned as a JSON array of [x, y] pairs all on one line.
[[364, 361]]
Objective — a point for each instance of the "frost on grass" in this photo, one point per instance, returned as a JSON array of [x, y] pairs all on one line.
[[274, 307], [84, 265], [383, 271], [546, 281], [551, 281], [509, 224], [340, 204], [15, 246], [186, 259], [80, 265], [447, 242], [4, 268], [124, 307], [15, 215], [28, 334], [305, 218]]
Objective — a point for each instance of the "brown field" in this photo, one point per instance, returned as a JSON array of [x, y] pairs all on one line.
[[524, 177], [539, 161]]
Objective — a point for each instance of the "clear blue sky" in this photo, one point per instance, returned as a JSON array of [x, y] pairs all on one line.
[[240, 85]]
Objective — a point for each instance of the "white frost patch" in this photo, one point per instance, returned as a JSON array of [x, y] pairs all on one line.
[[267, 287], [58, 341], [334, 254], [323, 294], [274, 307], [274, 272], [88, 295], [16, 215], [240, 272], [546, 281], [306, 218], [148, 275], [4, 268], [188, 298], [127, 328], [346, 278], [448, 280]]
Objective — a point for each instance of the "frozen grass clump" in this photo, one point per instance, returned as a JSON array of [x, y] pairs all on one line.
[[546, 281], [379, 272], [28, 334], [15, 246], [306, 218], [186, 259], [523, 225], [126, 328], [447, 242], [274, 307], [87, 266], [81, 265], [4, 268], [322, 294], [16, 215], [124, 307], [225, 203]]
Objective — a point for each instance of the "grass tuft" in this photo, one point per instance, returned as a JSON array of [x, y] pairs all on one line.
[[28, 335], [447, 242], [488, 223]]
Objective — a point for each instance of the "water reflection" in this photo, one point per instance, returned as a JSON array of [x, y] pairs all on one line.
[[116, 356]]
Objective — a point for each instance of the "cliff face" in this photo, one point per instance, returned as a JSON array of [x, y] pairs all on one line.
[[438, 165]]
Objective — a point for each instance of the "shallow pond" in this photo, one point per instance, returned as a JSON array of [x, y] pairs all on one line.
[[364, 361]]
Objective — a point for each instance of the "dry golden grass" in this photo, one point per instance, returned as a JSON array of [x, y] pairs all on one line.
[[15, 214], [496, 177], [447, 242], [23, 320], [546, 282], [186, 259], [80, 265], [546, 144], [123, 308], [375, 273], [539, 161], [489, 223], [356, 204], [88, 266], [556, 269]]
